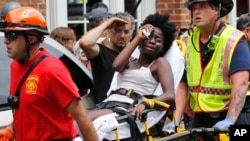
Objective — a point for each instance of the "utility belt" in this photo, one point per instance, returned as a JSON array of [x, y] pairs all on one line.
[[68, 139], [213, 114], [220, 114], [127, 92], [125, 98]]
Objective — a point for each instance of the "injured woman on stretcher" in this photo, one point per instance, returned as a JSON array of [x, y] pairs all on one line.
[[137, 80]]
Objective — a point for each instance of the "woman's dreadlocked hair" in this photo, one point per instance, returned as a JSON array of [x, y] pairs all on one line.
[[168, 29]]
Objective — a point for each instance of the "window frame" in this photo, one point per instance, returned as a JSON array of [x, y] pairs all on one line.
[[57, 8]]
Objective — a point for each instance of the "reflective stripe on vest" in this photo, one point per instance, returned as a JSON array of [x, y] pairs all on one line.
[[196, 89]]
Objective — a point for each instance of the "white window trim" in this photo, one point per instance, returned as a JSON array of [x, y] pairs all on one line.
[[233, 15], [56, 11], [115, 5], [145, 8]]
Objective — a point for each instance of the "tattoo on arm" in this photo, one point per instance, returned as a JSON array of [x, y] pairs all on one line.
[[237, 102]]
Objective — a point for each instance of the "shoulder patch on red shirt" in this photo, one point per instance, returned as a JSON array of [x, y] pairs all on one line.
[[31, 84]]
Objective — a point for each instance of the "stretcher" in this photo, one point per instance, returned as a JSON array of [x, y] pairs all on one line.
[[220, 134], [125, 127], [148, 132]]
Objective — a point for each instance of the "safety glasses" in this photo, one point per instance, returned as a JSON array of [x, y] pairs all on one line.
[[10, 35]]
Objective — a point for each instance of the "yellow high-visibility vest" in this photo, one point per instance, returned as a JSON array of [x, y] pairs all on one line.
[[210, 87]]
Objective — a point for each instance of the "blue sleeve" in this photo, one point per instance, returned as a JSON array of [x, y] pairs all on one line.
[[241, 57]]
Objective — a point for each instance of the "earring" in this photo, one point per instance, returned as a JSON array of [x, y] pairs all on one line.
[[108, 38]]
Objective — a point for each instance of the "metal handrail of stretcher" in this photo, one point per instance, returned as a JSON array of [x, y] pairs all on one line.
[[222, 134]]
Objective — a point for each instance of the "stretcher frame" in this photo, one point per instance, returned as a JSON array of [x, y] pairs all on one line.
[[221, 134]]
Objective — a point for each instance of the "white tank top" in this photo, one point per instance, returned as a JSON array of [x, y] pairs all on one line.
[[141, 80]]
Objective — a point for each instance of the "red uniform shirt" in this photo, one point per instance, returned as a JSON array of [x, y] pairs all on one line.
[[49, 88]]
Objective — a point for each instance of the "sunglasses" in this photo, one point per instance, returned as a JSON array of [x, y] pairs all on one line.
[[11, 35], [118, 31]]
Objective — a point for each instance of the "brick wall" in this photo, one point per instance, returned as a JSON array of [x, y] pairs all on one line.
[[38, 4], [178, 13]]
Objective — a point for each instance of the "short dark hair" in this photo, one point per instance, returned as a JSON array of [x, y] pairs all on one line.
[[243, 21]]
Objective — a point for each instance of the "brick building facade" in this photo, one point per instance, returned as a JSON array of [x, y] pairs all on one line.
[[179, 14], [38, 4]]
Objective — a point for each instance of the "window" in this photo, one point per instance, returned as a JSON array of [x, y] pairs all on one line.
[[76, 11], [70, 13], [242, 7]]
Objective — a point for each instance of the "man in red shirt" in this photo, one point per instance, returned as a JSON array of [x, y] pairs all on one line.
[[48, 99]]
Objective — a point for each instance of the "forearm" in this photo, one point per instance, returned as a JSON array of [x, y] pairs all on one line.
[[121, 61], [79, 113], [87, 129], [85, 125], [237, 101], [90, 38], [181, 98], [238, 94]]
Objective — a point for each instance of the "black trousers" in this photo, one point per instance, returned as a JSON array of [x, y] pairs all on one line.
[[208, 120]]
